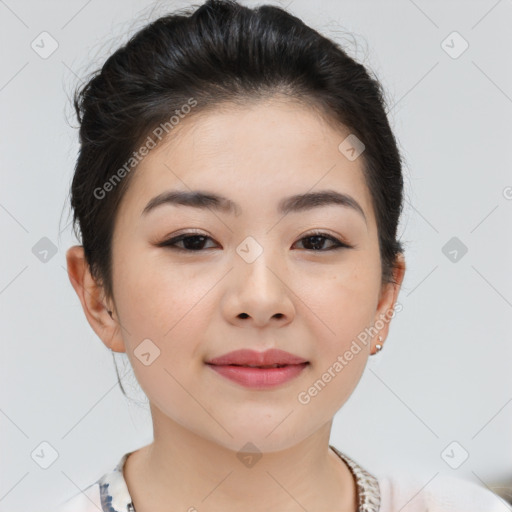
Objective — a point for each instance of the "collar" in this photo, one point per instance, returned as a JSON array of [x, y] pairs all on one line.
[[114, 493], [368, 490]]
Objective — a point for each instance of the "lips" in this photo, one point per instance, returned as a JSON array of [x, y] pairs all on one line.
[[259, 370], [271, 358]]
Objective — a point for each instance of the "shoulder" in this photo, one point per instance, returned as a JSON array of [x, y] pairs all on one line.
[[442, 493], [88, 500]]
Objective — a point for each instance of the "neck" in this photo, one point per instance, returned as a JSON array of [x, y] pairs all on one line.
[[182, 471]]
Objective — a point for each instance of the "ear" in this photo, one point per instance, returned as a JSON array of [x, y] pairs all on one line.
[[388, 297], [93, 301]]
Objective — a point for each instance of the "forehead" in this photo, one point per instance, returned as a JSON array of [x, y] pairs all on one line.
[[259, 152]]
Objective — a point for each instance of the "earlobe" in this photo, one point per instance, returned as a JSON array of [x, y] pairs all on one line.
[[92, 298]]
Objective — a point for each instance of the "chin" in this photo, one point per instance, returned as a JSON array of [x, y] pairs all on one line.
[[248, 439]]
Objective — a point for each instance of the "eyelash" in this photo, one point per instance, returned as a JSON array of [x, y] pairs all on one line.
[[171, 242]]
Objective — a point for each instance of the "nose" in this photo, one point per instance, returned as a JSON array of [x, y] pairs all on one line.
[[258, 294]]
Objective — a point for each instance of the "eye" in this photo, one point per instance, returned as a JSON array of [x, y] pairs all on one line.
[[317, 240], [191, 241]]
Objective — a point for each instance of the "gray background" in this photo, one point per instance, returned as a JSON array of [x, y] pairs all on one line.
[[444, 374]]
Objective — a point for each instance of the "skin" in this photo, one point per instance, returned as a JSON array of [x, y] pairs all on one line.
[[191, 306]]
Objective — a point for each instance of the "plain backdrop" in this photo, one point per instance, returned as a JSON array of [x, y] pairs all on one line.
[[440, 391]]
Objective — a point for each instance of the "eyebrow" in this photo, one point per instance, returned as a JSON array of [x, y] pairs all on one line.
[[295, 203]]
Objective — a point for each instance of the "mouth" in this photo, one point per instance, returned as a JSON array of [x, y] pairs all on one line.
[[258, 370], [259, 376]]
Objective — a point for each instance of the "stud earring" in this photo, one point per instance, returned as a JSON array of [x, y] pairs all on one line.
[[378, 346]]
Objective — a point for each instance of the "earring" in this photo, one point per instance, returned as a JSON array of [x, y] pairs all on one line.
[[378, 346]]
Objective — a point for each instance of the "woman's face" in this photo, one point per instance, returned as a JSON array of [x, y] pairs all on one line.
[[259, 278]]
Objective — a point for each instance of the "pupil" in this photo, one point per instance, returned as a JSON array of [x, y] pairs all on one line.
[[191, 245], [317, 241]]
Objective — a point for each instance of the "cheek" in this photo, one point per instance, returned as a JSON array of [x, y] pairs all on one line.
[[162, 312], [155, 300], [344, 301], [345, 306], [161, 347], [341, 353]]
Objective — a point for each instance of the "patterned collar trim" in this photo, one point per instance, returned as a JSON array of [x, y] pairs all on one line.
[[368, 489], [114, 493], [116, 498]]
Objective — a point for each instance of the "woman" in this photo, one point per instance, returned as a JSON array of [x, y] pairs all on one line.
[[238, 192]]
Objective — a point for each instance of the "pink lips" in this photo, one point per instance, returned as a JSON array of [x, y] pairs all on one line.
[[236, 366]]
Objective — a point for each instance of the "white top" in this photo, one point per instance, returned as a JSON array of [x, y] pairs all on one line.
[[383, 494]]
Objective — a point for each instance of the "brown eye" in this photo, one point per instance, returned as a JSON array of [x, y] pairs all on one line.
[[191, 242], [316, 241]]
